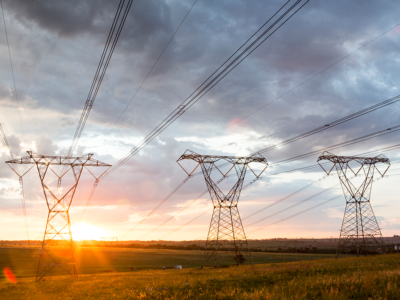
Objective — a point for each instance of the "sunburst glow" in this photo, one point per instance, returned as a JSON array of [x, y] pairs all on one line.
[[85, 231]]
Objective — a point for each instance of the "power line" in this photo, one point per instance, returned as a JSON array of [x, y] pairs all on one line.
[[285, 198], [334, 123], [326, 126], [310, 208], [299, 213], [158, 206], [162, 52], [330, 125], [108, 51], [276, 202], [166, 46], [219, 181], [10, 155], [231, 63], [315, 206], [178, 212], [12, 70], [298, 191], [187, 223], [174, 215], [361, 139], [4, 139], [312, 77], [206, 86], [296, 204], [346, 143], [339, 121], [291, 195]]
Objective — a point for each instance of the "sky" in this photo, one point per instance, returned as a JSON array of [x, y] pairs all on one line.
[[56, 46]]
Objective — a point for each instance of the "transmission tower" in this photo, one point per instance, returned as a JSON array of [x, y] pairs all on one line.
[[58, 226], [226, 232], [360, 233]]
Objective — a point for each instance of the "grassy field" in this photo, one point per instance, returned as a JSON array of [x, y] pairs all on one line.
[[373, 277], [23, 261]]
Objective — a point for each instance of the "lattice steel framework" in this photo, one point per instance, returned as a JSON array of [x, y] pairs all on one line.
[[58, 226], [360, 233], [226, 233]]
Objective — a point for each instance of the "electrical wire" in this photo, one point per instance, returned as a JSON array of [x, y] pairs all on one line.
[[105, 58], [312, 77], [187, 223], [291, 195], [178, 212], [158, 206], [299, 213], [231, 63], [173, 216], [12, 71], [5, 142], [310, 208], [108, 51], [346, 143], [166, 46], [296, 204], [297, 169], [315, 206], [10, 155], [209, 84], [333, 147], [285, 198], [342, 120], [162, 52], [334, 123]]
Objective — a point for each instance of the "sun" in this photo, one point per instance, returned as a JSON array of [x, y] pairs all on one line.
[[85, 231]]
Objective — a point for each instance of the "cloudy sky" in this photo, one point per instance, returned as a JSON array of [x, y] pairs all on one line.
[[56, 46]]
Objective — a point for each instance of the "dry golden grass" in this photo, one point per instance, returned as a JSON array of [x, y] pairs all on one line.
[[374, 277]]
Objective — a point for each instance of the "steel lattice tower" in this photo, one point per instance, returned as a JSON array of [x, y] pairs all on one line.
[[360, 232], [58, 226], [226, 232]]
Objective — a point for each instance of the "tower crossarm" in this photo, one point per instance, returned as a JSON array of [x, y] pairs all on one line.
[[360, 159], [214, 158], [38, 159], [344, 163]]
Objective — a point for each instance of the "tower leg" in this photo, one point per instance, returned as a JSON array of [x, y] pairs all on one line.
[[360, 230], [226, 236], [348, 233], [58, 251], [372, 234]]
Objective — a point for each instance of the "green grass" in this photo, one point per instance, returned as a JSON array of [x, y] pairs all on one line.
[[23, 261], [373, 277]]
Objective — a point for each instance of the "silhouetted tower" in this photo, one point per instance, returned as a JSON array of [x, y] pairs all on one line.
[[226, 233], [360, 232], [58, 226]]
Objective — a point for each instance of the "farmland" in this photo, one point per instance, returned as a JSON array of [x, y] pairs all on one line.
[[23, 260], [372, 277]]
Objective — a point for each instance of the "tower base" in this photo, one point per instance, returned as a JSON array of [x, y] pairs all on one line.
[[226, 238]]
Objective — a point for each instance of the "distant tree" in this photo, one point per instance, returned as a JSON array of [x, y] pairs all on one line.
[[239, 259]]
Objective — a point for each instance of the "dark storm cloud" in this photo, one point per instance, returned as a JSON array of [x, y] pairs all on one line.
[[68, 19], [56, 68]]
